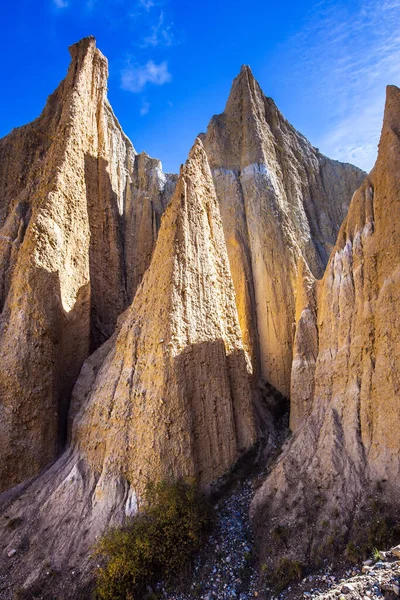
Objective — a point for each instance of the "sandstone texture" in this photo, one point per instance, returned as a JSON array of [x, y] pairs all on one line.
[[79, 215], [173, 396], [281, 202], [167, 396], [343, 459], [147, 320]]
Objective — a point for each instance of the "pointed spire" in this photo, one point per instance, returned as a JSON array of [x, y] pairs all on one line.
[[177, 321], [244, 110], [245, 71], [81, 48], [197, 149], [84, 54], [388, 158], [244, 83], [392, 108]]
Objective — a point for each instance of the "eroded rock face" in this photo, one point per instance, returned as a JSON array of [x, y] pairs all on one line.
[[167, 396], [345, 452], [166, 391], [281, 202], [74, 225], [173, 395]]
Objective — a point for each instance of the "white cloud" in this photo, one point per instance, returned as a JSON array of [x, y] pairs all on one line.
[[146, 4], [61, 3], [144, 109], [161, 34], [134, 79], [340, 65]]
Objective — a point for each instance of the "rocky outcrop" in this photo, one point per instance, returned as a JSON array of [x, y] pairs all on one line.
[[281, 202], [167, 396], [79, 214], [344, 456]]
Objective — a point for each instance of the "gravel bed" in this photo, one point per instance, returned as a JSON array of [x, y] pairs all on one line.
[[226, 568], [370, 581]]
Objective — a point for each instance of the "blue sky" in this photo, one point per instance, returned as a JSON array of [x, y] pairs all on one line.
[[325, 63]]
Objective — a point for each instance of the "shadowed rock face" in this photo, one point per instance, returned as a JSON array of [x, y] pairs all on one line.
[[168, 395], [75, 225], [281, 202], [346, 445]]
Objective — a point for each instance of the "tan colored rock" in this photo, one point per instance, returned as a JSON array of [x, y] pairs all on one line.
[[281, 201], [75, 222], [346, 447], [305, 348], [167, 396], [396, 551], [173, 395], [150, 192]]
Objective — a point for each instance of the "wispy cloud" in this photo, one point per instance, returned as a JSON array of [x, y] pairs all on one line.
[[134, 79], [345, 58], [160, 34], [146, 4], [60, 3], [144, 109]]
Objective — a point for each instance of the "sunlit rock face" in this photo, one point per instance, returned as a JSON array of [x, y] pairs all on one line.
[[281, 202], [167, 396], [79, 214], [345, 452]]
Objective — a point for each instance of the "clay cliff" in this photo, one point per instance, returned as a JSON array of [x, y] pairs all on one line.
[[79, 217], [343, 460], [281, 202], [79, 214], [167, 396], [140, 312]]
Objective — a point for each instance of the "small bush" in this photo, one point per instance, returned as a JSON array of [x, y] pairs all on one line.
[[159, 543], [375, 554], [353, 552], [377, 526], [286, 572], [280, 535]]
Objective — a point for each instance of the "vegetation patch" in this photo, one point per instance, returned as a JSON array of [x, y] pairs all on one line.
[[287, 571], [15, 522], [280, 535], [377, 526], [159, 543]]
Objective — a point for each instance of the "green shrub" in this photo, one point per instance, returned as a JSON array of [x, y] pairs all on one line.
[[377, 526], [280, 535], [286, 572], [158, 543], [375, 554], [353, 552]]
